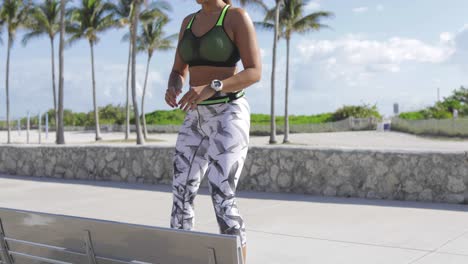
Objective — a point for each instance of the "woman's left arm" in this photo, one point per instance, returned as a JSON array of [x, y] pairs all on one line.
[[245, 39]]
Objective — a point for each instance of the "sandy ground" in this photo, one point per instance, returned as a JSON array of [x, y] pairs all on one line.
[[340, 140]]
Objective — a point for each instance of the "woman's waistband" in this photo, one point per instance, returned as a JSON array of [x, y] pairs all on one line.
[[223, 99]]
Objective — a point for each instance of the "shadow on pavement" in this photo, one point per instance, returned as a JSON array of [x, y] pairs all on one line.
[[254, 195]]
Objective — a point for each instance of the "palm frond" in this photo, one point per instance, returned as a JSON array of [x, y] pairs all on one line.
[[155, 10], [106, 23], [13, 15], [72, 40], [152, 36], [254, 3], [43, 17], [264, 25], [92, 17], [31, 35], [125, 37], [311, 22]]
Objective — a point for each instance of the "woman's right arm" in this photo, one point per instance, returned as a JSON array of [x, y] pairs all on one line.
[[178, 73]]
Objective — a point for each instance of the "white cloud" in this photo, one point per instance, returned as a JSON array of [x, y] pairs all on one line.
[[360, 9], [459, 42], [446, 37], [355, 60], [380, 8], [358, 51], [312, 6]]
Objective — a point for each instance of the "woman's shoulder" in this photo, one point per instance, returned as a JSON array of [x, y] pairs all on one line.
[[237, 11], [187, 19], [237, 15]]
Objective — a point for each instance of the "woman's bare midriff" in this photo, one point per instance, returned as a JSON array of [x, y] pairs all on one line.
[[203, 75]]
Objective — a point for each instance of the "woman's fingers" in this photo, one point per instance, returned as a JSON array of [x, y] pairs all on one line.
[[171, 97], [194, 105], [184, 105], [169, 100], [184, 98], [186, 101]]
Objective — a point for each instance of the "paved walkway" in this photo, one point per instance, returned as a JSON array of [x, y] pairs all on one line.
[[344, 140], [282, 228]]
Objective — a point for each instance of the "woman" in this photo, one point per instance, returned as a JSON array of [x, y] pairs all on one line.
[[214, 137]]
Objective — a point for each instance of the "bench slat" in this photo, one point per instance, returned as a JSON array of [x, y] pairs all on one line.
[[36, 258], [45, 251], [52, 252], [122, 241]]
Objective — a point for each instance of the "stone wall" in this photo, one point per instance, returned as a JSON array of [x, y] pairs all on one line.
[[399, 175]]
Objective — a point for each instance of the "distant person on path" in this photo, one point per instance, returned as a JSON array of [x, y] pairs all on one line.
[[214, 137]]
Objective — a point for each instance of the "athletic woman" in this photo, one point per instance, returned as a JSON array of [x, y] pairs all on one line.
[[214, 137]]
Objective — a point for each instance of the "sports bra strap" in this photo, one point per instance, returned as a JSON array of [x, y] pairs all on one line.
[[221, 17], [191, 20]]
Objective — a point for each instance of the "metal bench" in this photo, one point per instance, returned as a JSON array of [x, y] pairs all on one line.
[[28, 237]]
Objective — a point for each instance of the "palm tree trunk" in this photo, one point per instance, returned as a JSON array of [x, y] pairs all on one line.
[[127, 118], [6, 86], [273, 66], [140, 140], [286, 117], [60, 137], [53, 81], [96, 114], [145, 132]]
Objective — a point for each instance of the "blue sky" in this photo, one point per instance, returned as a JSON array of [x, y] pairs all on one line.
[[377, 52]]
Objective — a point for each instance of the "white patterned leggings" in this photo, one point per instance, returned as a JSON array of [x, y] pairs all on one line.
[[212, 141]]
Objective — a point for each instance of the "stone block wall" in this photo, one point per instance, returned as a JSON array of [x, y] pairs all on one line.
[[398, 175]]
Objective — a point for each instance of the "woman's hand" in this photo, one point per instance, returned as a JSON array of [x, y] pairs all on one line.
[[195, 95], [171, 96]]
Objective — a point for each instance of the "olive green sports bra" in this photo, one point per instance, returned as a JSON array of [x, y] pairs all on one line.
[[214, 48]]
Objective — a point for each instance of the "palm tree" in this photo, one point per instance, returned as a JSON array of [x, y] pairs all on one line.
[[59, 136], [122, 11], [293, 20], [273, 74], [13, 14], [86, 21], [1, 27], [273, 65], [152, 39], [133, 37], [44, 20]]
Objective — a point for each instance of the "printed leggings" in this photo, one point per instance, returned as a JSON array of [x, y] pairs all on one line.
[[212, 141]]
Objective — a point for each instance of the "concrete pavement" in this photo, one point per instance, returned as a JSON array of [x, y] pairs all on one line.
[[282, 228], [338, 140]]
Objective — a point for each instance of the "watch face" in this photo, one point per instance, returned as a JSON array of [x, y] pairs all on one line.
[[217, 83]]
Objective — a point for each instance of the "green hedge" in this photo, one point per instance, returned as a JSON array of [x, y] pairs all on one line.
[[110, 114], [443, 109]]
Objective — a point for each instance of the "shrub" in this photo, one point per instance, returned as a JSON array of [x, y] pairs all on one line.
[[161, 117], [417, 115], [360, 111]]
